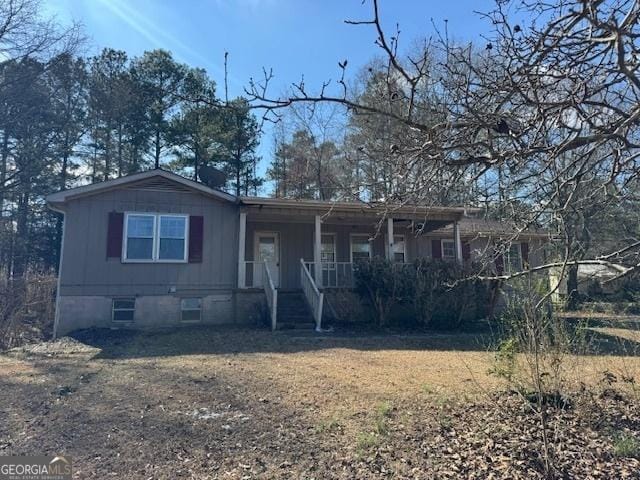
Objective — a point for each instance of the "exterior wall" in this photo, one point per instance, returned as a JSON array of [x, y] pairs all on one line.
[[296, 242], [89, 280], [87, 271], [480, 247], [158, 311]]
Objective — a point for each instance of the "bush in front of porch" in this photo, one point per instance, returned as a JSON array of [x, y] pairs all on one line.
[[430, 293]]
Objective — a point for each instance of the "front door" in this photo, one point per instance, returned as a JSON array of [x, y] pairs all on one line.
[[267, 251]]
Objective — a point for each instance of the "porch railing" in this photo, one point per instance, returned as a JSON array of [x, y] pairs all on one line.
[[314, 296], [271, 293], [334, 274], [254, 274]]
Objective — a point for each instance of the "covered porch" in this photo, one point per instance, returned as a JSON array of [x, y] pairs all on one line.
[[329, 240], [310, 246]]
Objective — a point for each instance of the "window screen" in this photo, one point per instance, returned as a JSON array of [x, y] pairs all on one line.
[[172, 238], [140, 232], [360, 248], [191, 310], [449, 249], [514, 258], [123, 309], [398, 249], [156, 238]]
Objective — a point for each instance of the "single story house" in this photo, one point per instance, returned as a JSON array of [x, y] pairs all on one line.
[[155, 249]]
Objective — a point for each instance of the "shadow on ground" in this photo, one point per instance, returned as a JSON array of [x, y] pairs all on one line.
[[216, 340], [227, 340]]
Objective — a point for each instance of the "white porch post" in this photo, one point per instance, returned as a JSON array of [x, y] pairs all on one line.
[[390, 239], [242, 233], [456, 234], [317, 257]]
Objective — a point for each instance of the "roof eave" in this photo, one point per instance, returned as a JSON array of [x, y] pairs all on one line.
[[353, 206], [95, 188]]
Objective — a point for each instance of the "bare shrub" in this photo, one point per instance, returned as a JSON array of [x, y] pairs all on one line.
[[438, 293], [538, 358], [27, 308]]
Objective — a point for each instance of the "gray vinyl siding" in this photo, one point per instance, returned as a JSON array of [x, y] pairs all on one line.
[[296, 242], [87, 271]]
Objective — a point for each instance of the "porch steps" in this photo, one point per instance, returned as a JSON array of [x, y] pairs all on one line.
[[293, 311]]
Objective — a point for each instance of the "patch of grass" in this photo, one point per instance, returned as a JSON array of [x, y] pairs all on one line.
[[370, 439], [442, 401], [381, 427], [428, 389], [504, 364], [383, 412], [327, 426], [367, 440], [626, 446], [445, 421], [384, 409]]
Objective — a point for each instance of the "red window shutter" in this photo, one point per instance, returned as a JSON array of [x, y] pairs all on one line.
[[436, 248], [524, 251], [196, 233], [466, 251], [114, 234]]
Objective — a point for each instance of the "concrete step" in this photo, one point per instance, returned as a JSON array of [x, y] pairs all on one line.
[[296, 325], [293, 311]]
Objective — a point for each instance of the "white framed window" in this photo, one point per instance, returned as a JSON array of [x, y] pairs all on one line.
[[139, 237], [123, 309], [172, 237], [191, 310], [513, 258], [360, 247], [328, 260], [155, 237], [328, 249], [399, 249], [448, 249]]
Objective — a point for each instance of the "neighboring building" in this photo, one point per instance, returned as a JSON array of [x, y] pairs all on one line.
[[154, 249]]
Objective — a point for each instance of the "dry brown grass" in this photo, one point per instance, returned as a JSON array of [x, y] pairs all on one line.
[[112, 405]]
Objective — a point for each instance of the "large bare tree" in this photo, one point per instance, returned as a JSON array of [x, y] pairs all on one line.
[[543, 115]]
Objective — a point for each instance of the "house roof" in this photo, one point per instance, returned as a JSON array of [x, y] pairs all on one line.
[[356, 206], [94, 188], [484, 227], [58, 199]]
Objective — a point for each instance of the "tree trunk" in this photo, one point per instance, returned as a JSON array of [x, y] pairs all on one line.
[[21, 251], [107, 157], [158, 149], [4, 157], [120, 165], [238, 172], [196, 161], [59, 217], [573, 299]]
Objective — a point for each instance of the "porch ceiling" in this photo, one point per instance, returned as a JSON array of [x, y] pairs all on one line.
[[353, 214]]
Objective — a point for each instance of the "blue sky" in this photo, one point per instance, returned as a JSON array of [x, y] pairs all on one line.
[[293, 37]]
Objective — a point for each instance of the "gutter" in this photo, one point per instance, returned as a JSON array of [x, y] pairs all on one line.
[[361, 207]]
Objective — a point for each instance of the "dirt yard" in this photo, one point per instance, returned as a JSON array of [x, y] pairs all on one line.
[[203, 403]]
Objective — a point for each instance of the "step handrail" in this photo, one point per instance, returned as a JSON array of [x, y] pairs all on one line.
[[271, 293], [314, 296]]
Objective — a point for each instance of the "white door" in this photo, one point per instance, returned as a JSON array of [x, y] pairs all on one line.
[[267, 251]]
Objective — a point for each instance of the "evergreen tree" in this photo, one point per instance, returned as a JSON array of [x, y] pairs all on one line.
[[238, 138], [160, 79]]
